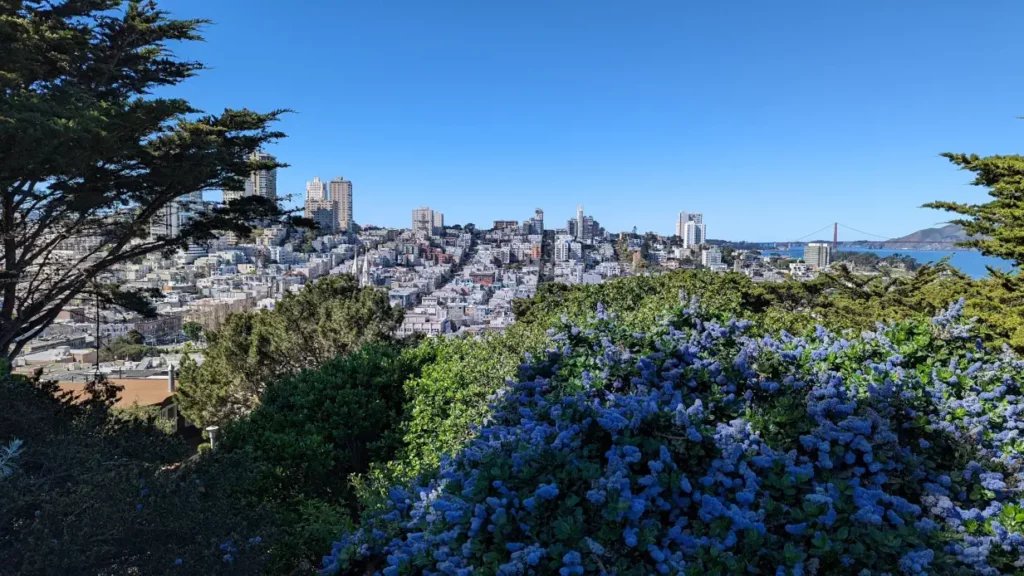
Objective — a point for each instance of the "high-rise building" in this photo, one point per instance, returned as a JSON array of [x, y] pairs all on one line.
[[817, 254], [690, 227], [259, 183], [681, 224], [694, 234], [166, 223], [563, 250], [426, 222], [262, 182], [316, 190], [589, 230], [579, 222], [537, 226], [341, 195], [324, 213]]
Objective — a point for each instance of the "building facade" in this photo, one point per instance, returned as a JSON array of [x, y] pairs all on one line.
[[427, 222], [316, 190], [259, 183], [817, 255], [694, 234], [537, 224], [562, 250], [324, 213], [711, 256], [690, 227], [341, 195]]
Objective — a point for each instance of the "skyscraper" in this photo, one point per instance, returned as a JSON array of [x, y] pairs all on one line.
[[685, 217], [316, 190], [427, 222], [259, 183], [319, 208], [694, 234], [563, 250], [690, 227], [589, 230], [537, 226], [818, 254], [262, 182], [579, 222], [681, 224], [341, 195]]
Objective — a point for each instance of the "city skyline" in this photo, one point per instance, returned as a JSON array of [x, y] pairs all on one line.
[[764, 118]]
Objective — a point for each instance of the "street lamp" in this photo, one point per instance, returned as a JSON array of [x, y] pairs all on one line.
[[212, 431]]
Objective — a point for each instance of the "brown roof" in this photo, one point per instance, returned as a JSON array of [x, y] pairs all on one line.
[[145, 391]]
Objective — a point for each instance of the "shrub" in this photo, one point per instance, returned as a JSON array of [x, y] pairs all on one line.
[[699, 449], [327, 318], [98, 493], [314, 429]]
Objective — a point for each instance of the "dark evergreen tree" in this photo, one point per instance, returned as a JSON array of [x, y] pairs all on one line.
[[91, 157]]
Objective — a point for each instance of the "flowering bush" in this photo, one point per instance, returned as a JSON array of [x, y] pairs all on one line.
[[699, 449]]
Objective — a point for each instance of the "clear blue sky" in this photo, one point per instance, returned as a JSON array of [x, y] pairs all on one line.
[[771, 118]]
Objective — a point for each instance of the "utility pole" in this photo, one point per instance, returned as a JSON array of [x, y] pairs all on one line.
[[97, 300]]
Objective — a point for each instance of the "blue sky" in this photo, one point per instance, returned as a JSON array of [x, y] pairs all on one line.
[[772, 118]]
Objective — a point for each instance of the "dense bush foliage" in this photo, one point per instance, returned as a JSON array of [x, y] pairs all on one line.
[[696, 448], [316, 428], [99, 494], [331, 316], [323, 443], [131, 346], [872, 261]]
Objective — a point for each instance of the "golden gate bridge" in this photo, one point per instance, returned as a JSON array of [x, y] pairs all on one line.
[[874, 238]]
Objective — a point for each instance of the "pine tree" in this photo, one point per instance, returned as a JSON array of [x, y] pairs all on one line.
[[995, 227]]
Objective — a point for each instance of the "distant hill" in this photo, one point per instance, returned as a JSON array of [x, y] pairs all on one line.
[[941, 238], [947, 234]]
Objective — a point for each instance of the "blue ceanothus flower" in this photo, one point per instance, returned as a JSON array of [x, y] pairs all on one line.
[[703, 448]]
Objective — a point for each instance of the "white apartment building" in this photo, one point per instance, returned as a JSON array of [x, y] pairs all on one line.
[[694, 234], [711, 257], [817, 255], [316, 190]]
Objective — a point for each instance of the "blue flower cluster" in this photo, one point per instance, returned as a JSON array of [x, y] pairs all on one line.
[[700, 448]]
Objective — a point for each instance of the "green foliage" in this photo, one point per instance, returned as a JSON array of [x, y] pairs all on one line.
[[451, 393], [91, 155], [638, 301], [993, 227], [144, 416], [95, 494], [329, 317], [130, 346], [321, 425], [311, 432], [872, 261], [193, 330]]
